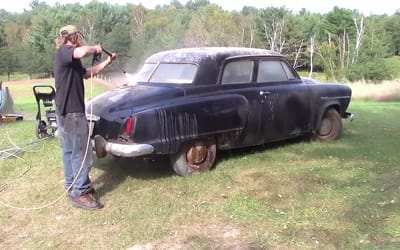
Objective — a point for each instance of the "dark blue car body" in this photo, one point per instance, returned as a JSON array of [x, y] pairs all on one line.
[[189, 103]]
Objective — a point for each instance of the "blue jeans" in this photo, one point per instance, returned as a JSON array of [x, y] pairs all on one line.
[[73, 130]]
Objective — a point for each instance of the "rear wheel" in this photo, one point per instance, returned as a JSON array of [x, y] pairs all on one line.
[[194, 157], [330, 127]]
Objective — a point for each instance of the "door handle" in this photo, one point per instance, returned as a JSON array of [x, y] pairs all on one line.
[[264, 93]]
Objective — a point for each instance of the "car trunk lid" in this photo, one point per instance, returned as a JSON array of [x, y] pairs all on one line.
[[131, 98]]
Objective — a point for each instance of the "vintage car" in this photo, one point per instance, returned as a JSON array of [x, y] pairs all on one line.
[[189, 103]]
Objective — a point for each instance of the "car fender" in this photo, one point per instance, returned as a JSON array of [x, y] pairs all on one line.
[[188, 118], [339, 102], [328, 96]]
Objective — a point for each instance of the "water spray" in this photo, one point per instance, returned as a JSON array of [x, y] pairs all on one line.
[[130, 77]]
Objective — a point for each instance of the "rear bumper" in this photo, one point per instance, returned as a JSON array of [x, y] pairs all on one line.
[[103, 147]]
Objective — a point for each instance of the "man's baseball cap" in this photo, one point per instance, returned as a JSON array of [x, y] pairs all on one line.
[[69, 30]]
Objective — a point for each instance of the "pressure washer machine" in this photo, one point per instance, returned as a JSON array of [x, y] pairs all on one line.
[[45, 97]]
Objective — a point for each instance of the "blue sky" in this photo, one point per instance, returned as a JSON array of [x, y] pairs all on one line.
[[317, 6]]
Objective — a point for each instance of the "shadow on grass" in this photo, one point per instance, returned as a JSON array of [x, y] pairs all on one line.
[[241, 152], [117, 170]]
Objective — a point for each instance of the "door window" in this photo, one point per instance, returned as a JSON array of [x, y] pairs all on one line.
[[238, 72], [273, 71]]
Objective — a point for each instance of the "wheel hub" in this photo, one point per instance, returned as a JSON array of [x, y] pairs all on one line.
[[326, 127], [197, 154]]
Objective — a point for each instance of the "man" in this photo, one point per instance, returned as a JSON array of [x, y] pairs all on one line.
[[70, 109]]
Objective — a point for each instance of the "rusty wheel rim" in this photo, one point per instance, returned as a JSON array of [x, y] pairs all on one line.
[[326, 127], [197, 154]]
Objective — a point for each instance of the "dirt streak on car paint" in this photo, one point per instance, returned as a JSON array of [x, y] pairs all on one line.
[[176, 128]]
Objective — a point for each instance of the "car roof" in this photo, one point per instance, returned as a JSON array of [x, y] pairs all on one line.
[[197, 55], [209, 59]]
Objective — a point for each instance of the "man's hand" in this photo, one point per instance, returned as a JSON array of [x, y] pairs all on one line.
[[97, 49], [111, 57]]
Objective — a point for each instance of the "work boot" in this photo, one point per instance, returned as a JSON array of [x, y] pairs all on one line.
[[90, 191], [86, 201]]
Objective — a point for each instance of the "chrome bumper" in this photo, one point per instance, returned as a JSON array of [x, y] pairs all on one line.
[[102, 147]]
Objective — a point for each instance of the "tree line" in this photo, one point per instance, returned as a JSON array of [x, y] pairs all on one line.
[[343, 43]]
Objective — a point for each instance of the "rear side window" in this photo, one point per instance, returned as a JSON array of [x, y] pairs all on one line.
[[179, 73], [238, 72], [273, 71]]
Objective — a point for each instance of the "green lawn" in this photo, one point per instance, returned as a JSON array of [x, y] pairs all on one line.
[[25, 102], [296, 194]]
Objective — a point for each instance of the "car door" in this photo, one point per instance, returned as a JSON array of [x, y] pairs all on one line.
[[238, 78], [284, 98]]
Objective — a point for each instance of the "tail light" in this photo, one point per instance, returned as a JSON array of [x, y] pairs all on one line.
[[129, 125]]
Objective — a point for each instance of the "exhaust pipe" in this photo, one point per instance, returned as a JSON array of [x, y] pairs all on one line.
[[349, 116]]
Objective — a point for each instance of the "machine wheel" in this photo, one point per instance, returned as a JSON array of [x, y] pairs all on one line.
[[41, 131], [194, 157], [330, 127]]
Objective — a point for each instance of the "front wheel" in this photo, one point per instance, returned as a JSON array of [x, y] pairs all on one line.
[[330, 127], [194, 157]]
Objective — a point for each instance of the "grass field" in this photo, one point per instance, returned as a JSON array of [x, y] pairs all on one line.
[[291, 195]]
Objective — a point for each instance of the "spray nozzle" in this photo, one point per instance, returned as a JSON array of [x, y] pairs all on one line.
[[110, 54], [106, 51]]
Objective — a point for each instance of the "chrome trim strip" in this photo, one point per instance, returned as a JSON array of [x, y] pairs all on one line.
[[334, 97], [92, 117]]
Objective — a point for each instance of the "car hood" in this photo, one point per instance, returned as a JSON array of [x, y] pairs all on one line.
[[309, 80], [130, 99]]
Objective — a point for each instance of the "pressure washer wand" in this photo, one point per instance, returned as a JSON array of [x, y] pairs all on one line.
[[110, 54]]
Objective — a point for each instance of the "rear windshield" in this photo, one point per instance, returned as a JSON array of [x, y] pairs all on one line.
[[180, 73]]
